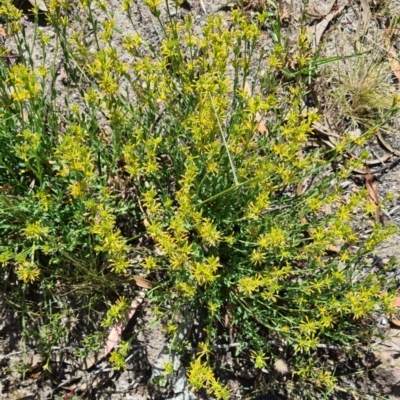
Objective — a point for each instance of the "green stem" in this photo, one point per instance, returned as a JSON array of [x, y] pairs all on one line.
[[231, 189], [225, 143]]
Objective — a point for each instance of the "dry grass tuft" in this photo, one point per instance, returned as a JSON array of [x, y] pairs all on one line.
[[361, 89]]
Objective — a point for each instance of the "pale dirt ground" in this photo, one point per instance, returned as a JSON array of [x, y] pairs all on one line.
[[98, 380]]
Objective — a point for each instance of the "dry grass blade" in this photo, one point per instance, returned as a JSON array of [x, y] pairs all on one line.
[[361, 90], [118, 328], [366, 14]]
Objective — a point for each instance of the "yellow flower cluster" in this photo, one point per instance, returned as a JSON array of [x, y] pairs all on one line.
[[73, 153], [111, 240], [201, 375], [11, 14], [30, 145], [118, 356], [24, 83], [270, 281], [28, 271], [116, 312], [35, 231]]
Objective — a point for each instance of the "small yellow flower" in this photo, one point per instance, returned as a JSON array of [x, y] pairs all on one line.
[[45, 200], [28, 272], [6, 256], [168, 368], [152, 4], [205, 272], [250, 284], [116, 312], [257, 257], [209, 233], [276, 237], [150, 263], [259, 359], [35, 230], [118, 356], [78, 189], [204, 349], [171, 328], [187, 290]]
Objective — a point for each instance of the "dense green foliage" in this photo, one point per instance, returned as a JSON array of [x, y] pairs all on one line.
[[164, 165]]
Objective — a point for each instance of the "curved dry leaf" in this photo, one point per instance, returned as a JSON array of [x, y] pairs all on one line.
[[118, 328], [40, 3], [142, 282], [386, 145], [372, 187]]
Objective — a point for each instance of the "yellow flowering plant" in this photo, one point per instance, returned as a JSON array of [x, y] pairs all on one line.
[[181, 183]]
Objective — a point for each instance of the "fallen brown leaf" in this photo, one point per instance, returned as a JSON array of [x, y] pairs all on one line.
[[142, 282], [372, 187], [92, 359], [333, 249]]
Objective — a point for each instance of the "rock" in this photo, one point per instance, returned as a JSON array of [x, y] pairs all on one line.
[[158, 367], [166, 356], [387, 375], [181, 382]]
